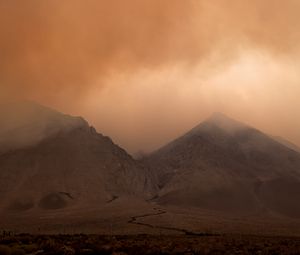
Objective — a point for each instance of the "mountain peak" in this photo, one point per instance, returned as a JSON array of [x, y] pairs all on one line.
[[224, 122], [26, 123], [217, 115]]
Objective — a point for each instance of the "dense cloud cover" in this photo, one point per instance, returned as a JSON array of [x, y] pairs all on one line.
[[145, 71]]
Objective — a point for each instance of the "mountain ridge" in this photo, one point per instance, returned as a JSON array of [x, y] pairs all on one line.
[[27, 123], [222, 164], [71, 166]]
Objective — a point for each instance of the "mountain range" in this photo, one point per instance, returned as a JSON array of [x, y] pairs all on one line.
[[51, 161]]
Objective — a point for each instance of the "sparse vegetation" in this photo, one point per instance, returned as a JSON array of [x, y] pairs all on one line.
[[146, 244]]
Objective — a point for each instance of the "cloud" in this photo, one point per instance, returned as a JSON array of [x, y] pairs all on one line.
[[147, 59]]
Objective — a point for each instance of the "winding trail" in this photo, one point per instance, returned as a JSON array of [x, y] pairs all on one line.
[[134, 220]]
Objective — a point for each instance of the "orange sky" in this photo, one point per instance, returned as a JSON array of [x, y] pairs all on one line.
[[146, 71]]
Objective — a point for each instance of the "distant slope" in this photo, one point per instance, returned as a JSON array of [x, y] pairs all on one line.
[[226, 165], [286, 143], [68, 164], [26, 123]]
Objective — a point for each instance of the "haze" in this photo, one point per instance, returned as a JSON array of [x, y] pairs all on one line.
[[144, 72]]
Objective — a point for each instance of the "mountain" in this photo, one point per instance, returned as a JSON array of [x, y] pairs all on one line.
[[27, 123], [227, 166], [53, 161]]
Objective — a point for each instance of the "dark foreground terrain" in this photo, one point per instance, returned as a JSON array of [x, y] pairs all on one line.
[[147, 244]]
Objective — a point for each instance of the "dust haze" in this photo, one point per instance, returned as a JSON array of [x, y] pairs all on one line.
[[144, 72]]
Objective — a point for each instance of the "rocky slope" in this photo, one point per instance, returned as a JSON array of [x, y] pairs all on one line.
[[52, 161], [287, 143], [225, 165]]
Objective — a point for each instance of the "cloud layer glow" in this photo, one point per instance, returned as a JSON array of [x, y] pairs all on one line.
[[146, 71]]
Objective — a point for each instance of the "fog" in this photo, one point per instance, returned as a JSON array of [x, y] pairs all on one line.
[[144, 72]]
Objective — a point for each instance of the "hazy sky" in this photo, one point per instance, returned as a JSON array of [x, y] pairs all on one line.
[[145, 71]]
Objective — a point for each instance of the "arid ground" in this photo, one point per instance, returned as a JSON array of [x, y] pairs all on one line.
[[147, 244]]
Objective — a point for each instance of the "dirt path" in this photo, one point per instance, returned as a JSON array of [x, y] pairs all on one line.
[[134, 220]]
